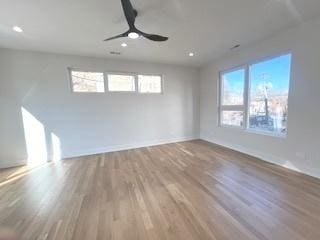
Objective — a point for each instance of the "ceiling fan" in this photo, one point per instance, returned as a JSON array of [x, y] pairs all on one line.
[[131, 14]]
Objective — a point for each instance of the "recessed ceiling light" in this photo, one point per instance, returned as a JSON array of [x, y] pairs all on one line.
[[124, 45], [17, 29], [191, 54], [133, 35]]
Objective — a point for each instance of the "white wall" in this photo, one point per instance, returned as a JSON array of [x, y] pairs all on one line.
[[301, 149], [89, 123]]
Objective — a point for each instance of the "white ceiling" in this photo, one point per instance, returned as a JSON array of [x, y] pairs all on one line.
[[209, 28]]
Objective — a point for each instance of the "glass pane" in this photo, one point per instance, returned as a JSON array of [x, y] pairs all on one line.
[[233, 87], [121, 83], [87, 81], [232, 118], [269, 87], [149, 84]]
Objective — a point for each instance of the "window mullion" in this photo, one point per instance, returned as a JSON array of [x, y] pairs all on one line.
[[106, 81], [246, 98], [136, 83]]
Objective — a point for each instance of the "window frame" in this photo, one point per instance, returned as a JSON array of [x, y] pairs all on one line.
[[150, 74], [240, 108], [71, 69], [106, 81], [247, 86]]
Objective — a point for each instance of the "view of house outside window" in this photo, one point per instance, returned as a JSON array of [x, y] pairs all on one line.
[[87, 81], [268, 98]]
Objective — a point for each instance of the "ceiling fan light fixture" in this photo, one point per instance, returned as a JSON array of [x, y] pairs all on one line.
[[133, 35]]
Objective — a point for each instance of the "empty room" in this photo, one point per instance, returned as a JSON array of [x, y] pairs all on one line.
[[159, 119]]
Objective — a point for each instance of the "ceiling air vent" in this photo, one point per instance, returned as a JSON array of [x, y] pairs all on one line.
[[235, 46], [115, 53]]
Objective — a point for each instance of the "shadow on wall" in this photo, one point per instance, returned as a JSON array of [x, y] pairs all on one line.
[[41, 148]]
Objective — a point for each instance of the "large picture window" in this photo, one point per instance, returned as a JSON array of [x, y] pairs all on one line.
[[268, 99], [257, 94]]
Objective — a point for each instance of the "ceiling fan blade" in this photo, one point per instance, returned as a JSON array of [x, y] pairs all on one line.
[[154, 37], [118, 36], [129, 12]]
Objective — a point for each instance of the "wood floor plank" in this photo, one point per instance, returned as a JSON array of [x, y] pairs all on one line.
[[188, 190]]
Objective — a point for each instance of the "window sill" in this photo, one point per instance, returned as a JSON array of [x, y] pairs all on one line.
[[252, 131], [269, 134], [231, 127]]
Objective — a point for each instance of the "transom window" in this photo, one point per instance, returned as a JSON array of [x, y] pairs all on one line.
[[121, 83], [149, 83], [95, 82], [255, 96], [87, 81]]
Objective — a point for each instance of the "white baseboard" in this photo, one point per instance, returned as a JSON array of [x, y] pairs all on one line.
[[258, 154], [86, 152], [12, 164], [263, 156]]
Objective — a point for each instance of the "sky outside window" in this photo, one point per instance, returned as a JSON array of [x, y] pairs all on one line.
[[268, 99], [233, 87]]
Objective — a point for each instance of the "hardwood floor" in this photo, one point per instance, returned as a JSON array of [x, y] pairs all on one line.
[[190, 190]]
